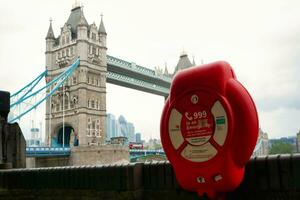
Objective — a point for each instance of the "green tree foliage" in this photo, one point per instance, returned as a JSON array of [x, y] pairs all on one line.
[[281, 148], [157, 146]]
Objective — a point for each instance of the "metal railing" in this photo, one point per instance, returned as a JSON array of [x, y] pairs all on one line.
[[47, 151]]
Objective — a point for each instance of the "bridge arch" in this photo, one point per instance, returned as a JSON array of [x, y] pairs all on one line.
[[66, 138]]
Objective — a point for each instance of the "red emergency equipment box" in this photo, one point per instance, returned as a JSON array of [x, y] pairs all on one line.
[[209, 129]]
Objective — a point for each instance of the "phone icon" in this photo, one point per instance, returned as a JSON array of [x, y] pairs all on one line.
[[187, 116]]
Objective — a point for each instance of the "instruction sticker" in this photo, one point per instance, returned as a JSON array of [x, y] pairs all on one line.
[[199, 153]]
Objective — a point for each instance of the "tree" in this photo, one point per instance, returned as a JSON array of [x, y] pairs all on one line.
[[281, 148], [157, 146]]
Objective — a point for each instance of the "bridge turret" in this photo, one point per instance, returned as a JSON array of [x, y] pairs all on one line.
[[82, 27], [166, 71], [50, 34], [82, 36], [183, 63], [102, 32], [50, 41]]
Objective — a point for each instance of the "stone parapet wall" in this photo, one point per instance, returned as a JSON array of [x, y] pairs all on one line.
[[273, 177], [12, 145], [35, 162]]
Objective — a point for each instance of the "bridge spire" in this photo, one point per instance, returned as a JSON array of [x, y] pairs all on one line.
[[82, 21], [183, 63], [166, 72], [76, 4], [101, 26], [50, 34]]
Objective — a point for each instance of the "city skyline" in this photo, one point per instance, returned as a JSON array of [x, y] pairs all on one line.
[[119, 127], [262, 48]]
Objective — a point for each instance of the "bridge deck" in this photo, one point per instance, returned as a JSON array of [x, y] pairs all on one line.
[[133, 76], [60, 151]]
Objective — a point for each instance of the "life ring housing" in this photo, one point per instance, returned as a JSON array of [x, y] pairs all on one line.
[[209, 128]]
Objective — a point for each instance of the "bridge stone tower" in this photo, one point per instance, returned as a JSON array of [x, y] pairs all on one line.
[[81, 103]]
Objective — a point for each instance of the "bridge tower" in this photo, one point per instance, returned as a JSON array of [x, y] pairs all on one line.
[[76, 113]]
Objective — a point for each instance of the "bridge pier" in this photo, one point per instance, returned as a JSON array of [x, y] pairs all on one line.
[[35, 162], [97, 155]]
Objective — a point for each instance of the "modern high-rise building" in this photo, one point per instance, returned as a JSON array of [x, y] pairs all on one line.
[[138, 137], [35, 139], [119, 128], [110, 126], [123, 126], [130, 132]]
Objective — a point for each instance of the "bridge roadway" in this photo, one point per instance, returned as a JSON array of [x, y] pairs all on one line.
[[60, 151], [131, 75]]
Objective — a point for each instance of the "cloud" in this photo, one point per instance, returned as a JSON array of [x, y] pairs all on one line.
[[261, 40], [281, 89], [283, 102], [280, 122]]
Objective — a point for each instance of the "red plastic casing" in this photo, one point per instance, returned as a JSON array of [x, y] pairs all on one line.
[[203, 162]]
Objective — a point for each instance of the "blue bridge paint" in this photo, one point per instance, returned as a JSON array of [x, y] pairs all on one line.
[[60, 151], [47, 151]]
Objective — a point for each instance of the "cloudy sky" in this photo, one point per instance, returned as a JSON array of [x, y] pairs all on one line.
[[260, 39]]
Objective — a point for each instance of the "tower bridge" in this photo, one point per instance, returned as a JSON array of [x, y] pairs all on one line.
[[81, 116], [77, 70]]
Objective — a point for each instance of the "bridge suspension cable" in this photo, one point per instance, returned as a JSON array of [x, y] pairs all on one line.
[[50, 110], [52, 86], [28, 88], [63, 136]]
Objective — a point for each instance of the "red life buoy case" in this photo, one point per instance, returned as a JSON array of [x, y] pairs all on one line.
[[209, 128]]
